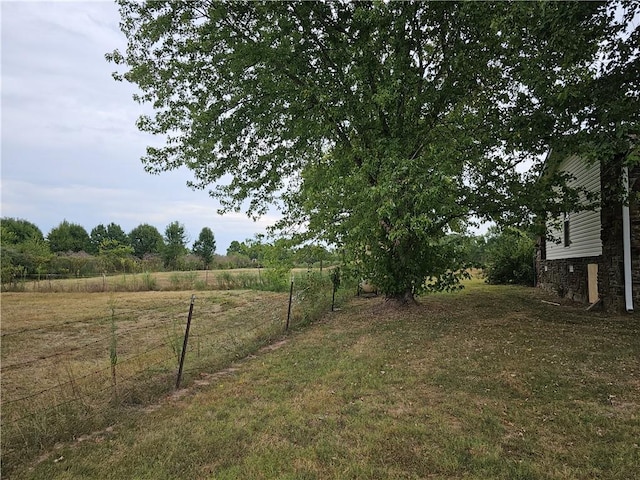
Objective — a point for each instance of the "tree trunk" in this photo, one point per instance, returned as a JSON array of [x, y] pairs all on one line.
[[403, 299]]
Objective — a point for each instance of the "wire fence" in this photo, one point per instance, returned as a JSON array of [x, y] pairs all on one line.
[[254, 278], [62, 379]]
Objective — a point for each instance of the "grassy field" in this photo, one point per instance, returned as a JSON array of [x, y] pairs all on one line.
[[239, 278], [74, 361], [487, 383], [75, 329], [60, 380]]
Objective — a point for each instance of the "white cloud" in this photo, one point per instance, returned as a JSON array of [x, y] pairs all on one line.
[[70, 149], [56, 83]]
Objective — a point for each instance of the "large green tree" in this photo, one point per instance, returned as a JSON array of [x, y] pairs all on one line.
[[22, 248], [237, 248], [69, 237], [107, 235], [381, 127], [16, 231], [175, 245], [205, 246], [146, 239]]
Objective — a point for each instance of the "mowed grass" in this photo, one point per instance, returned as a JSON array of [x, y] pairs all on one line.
[[487, 383], [76, 329], [60, 380]]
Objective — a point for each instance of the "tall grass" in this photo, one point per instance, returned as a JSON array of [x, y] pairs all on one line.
[[313, 295], [274, 280], [134, 356]]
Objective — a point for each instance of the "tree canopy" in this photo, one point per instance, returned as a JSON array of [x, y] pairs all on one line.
[[205, 246], [175, 244], [69, 237], [381, 127], [16, 231], [102, 236], [22, 248], [145, 239]]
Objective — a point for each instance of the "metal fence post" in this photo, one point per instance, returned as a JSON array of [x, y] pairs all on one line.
[[184, 344], [289, 311], [335, 281]]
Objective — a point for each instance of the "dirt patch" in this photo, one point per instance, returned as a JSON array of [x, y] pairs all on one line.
[[96, 437], [205, 378], [209, 378], [273, 346]]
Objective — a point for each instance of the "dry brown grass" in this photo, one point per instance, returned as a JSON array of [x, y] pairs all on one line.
[[56, 350], [131, 282], [239, 278], [47, 337], [486, 383]]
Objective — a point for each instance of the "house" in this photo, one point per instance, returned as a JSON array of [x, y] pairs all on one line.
[[593, 256]]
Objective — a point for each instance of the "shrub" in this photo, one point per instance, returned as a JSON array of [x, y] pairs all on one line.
[[189, 263], [149, 281], [276, 279], [510, 256]]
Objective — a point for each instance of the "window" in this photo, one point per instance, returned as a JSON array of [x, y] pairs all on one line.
[[566, 231]]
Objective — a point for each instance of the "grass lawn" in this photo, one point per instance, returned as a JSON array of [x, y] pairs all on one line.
[[486, 383]]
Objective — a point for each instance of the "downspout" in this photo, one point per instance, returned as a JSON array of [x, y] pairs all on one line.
[[626, 242]]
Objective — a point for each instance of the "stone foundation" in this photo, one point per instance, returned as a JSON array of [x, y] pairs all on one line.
[[567, 277], [611, 281]]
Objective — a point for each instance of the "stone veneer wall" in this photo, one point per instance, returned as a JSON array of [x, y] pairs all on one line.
[[555, 276], [611, 277], [634, 212], [559, 280]]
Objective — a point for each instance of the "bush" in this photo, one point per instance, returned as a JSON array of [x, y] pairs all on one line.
[[223, 262], [276, 279], [150, 263], [187, 263], [510, 256]]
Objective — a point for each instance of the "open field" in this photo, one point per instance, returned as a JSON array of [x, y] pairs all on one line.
[[239, 278], [74, 362], [59, 378], [487, 383], [76, 329]]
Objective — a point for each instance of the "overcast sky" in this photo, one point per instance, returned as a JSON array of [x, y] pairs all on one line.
[[70, 148]]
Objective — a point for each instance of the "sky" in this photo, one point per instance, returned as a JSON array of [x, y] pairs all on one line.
[[70, 148]]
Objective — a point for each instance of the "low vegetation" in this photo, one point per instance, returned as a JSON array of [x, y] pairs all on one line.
[[510, 255], [242, 278], [74, 362], [491, 382]]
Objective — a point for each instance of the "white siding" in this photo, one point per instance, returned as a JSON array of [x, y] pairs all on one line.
[[584, 226]]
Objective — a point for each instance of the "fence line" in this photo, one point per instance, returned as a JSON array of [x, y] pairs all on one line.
[[49, 389], [228, 334], [129, 378], [69, 382], [42, 358]]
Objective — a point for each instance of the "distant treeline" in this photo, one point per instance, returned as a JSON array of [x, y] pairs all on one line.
[[69, 250]]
